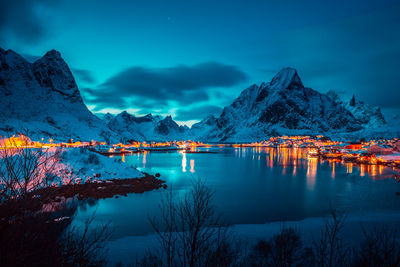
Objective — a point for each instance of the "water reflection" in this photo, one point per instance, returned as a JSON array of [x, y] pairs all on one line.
[[244, 178], [184, 162], [192, 165], [349, 167], [285, 157], [297, 158], [362, 170], [294, 159], [372, 170], [144, 158], [311, 172]]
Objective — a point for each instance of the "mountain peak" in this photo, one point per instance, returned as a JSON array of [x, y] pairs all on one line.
[[287, 78], [52, 72], [125, 114], [53, 54], [52, 57], [5, 51], [168, 118], [42, 97], [353, 101]]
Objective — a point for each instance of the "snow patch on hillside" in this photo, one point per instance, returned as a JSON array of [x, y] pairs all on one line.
[[90, 166]]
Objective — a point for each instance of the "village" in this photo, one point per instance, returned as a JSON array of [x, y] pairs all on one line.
[[372, 152]]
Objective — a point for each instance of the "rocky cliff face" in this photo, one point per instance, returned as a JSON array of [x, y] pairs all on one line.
[[285, 106], [42, 100]]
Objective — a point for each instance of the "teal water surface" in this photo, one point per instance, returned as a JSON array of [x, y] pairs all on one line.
[[252, 186]]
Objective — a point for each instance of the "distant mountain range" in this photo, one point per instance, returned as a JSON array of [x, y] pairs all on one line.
[[148, 127], [41, 99]]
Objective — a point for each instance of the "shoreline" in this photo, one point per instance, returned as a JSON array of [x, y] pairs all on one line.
[[36, 200], [103, 189]]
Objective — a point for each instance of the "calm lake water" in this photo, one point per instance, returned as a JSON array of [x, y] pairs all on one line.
[[253, 186]]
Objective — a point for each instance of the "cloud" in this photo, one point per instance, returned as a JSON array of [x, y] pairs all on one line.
[[84, 75], [197, 113], [23, 19], [357, 55], [150, 87]]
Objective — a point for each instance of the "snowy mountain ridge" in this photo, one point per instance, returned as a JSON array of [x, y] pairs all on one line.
[[42, 100], [147, 127], [285, 106]]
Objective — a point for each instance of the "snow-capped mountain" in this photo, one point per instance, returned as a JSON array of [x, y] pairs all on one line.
[[149, 127], [368, 116], [392, 129], [285, 106], [41, 99], [204, 127], [107, 117]]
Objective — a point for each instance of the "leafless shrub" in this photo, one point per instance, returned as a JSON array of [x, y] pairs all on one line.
[[380, 247], [329, 249], [28, 236], [228, 250], [286, 247], [260, 254], [282, 249], [85, 246], [189, 232], [24, 169]]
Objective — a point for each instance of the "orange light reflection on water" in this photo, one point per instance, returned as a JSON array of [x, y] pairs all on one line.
[[144, 158], [184, 162], [295, 157], [311, 172], [362, 170], [192, 165], [349, 167]]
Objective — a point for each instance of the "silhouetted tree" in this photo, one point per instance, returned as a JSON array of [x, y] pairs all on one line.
[[190, 233], [329, 249], [380, 247]]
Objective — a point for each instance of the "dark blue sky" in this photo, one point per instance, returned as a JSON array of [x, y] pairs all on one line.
[[189, 58]]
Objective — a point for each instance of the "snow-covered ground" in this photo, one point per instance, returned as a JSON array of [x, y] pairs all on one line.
[[80, 165], [90, 166]]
